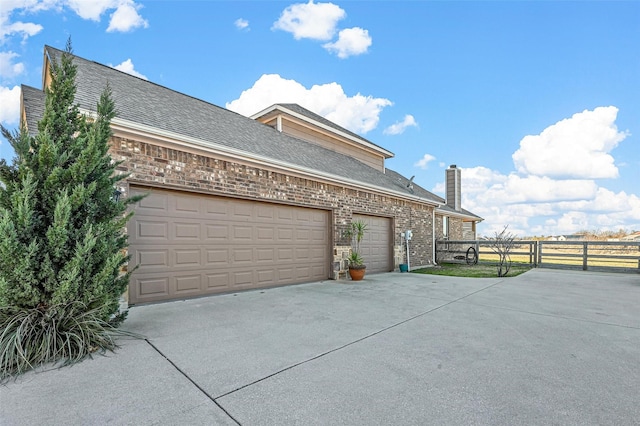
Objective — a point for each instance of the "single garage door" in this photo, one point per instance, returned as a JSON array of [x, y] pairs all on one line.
[[376, 245], [187, 245]]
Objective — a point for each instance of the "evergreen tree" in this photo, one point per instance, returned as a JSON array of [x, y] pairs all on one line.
[[63, 243]]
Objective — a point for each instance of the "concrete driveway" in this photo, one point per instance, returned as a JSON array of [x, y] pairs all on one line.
[[547, 347]]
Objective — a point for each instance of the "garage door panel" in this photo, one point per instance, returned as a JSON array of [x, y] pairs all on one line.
[[286, 274], [217, 281], [316, 252], [242, 232], [284, 253], [284, 215], [241, 255], [302, 254], [153, 203], [376, 246], [265, 255], [149, 287], [188, 205], [285, 235], [319, 236], [266, 212], [187, 257], [186, 231], [217, 257], [192, 244], [242, 278], [149, 258], [303, 272], [303, 235], [265, 234], [216, 233], [150, 230], [265, 276], [187, 284], [215, 208], [242, 212]]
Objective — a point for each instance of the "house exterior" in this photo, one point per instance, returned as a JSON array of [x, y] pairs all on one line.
[[240, 203]]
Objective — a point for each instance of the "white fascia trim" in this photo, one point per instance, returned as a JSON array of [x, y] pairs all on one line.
[[187, 141], [386, 153], [460, 215]]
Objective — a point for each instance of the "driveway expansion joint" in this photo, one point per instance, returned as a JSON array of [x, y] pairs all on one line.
[[193, 382], [292, 366]]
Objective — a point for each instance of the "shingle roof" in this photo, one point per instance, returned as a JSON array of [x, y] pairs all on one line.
[[150, 104], [463, 212], [312, 115], [403, 182], [33, 101]]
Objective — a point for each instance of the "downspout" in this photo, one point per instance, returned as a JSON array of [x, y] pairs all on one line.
[[433, 236]]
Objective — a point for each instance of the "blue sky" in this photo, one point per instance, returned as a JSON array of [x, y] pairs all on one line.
[[537, 102]]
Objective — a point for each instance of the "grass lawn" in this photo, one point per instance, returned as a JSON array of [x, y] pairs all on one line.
[[481, 270]]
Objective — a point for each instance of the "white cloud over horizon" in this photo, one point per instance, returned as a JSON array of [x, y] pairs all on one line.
[[548, 194], [357, 113], [399, 127], [128, 67]]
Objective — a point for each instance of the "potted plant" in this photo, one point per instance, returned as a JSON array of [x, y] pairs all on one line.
[[356, 262]]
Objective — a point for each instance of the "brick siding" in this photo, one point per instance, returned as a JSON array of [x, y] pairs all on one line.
[[170, 168]]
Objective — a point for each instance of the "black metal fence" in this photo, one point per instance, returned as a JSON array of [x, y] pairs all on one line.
[[621, 256]]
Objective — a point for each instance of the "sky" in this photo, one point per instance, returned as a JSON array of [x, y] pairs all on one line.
[[538, 102]]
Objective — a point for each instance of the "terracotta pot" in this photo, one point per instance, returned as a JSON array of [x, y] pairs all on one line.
[[357, 274]]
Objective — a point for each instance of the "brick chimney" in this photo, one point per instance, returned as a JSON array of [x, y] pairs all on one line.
[[453, 184]]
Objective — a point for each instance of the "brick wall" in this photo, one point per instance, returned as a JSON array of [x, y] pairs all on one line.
[[157, 165], [455, 228]]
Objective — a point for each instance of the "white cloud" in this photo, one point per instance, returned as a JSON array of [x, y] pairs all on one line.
[[576, 147], [357, 113], [126, 18], [241, 24], [534, 205], [9, 105], [24, 29], [316, 21], [127, 66], [92, 9], [351, 41], [9, 69], [19, 28], [423, 163], [400, 126]]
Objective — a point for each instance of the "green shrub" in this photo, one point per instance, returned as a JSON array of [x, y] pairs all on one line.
[[63, 246]]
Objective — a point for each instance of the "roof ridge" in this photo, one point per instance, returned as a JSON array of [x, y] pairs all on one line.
[[111, 69]]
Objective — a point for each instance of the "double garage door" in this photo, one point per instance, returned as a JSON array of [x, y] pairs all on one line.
[[186, 245]]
